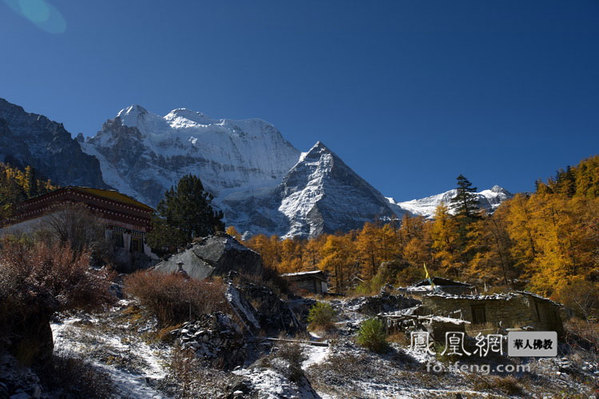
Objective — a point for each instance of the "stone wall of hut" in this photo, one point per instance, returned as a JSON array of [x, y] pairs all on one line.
[[512, 311]]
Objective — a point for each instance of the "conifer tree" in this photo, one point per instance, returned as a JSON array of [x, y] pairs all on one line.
[[465, 202], [188, 208]]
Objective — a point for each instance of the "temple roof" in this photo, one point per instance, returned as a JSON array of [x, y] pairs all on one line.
[[112, 195]]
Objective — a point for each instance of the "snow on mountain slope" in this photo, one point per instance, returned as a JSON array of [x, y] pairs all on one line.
[[487, 199], [142, 154], [260, 181], [320, 194]]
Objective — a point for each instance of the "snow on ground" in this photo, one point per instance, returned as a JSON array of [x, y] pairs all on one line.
[[315, 354], [131, 363], [271, 384], [116, 345]]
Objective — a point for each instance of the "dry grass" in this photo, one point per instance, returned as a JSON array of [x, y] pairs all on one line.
[[164, 334], [583, 334], [508, 385], [399, 338], [173, 299]]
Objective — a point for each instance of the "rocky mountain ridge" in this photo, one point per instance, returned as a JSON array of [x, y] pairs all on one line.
[[34, 140]]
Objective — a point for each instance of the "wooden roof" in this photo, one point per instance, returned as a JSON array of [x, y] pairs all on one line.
[[112, 195], [121, 209]]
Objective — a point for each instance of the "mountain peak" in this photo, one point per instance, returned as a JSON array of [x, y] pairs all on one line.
[[319, 148], [498, 189], [131, 114]]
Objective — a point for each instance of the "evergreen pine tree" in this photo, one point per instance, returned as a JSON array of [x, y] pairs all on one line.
[[188, 208], [465, 202]]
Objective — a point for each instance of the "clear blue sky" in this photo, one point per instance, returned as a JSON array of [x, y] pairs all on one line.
[[409, 93]]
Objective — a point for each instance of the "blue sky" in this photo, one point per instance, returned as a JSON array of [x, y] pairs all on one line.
[[409, 93]]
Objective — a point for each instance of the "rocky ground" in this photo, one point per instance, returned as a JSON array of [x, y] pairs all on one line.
[[124, 355]]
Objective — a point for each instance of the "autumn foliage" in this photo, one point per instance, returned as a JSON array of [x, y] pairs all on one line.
[[17, 185], [543, 242]]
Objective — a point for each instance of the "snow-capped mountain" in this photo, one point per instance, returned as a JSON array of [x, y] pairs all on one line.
[[320, 194], [487, 199], [143, 154], [34, 140], [261, 182], [258, 179]]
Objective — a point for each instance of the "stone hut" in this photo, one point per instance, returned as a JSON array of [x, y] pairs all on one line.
[[314, 281], [439, 284], [511, 310]]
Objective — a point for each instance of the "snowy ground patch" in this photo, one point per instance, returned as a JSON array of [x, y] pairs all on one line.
[[133, 365]]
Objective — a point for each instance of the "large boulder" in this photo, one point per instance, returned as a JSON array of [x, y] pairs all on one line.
[[215, 255]]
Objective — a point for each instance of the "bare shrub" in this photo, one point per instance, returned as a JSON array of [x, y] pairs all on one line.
[[173, 298], [77, 226], [583, 334], [184, 367], [187, 378], [37, 280], [51, 278]]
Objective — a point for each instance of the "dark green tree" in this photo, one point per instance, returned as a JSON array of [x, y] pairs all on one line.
[[165, 239], [465, 203], [467, 211], [187, 207]]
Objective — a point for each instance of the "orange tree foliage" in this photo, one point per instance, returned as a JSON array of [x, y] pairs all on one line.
[[542, 242], [17, 185]]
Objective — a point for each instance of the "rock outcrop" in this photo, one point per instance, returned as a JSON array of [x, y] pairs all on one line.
[[215, 255], [216, 340], [260, 309]]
